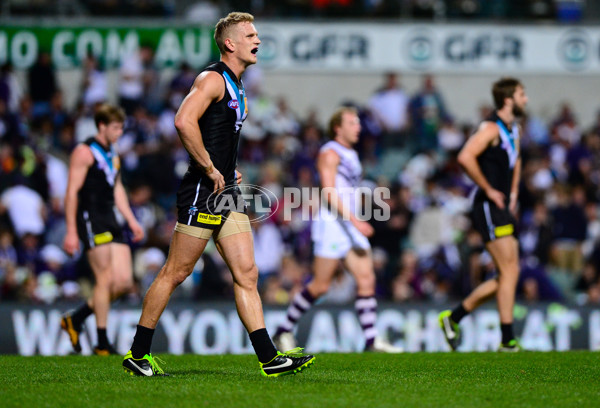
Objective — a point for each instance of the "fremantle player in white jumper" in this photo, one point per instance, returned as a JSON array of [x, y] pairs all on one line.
[[338, 235]]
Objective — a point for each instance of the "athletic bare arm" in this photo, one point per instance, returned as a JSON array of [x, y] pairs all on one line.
[[79, 164], [208, 87], [327, 164], [122, 203], [467, 158]]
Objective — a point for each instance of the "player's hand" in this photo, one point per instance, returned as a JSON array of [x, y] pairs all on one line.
[[218, 179], [363, 227], [512, 206], [137, 230], [497, 197], [71, 243], [238, 177]]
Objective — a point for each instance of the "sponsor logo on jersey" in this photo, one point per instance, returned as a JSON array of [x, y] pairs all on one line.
[[103, 238], [233, 104], [209, 219], [504, 230]]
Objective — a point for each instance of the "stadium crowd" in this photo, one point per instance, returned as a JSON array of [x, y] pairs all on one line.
[[426, 251], [209, 11]]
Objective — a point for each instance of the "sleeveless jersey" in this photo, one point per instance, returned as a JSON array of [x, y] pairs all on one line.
[[96, 196], [220, 127], [497, 162], [349, 173]]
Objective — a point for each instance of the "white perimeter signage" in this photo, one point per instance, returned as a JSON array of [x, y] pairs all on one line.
[[446, 48]]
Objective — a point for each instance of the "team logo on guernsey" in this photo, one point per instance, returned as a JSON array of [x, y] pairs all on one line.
[[233, 104]]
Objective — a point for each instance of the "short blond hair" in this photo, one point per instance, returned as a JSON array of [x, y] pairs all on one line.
[[106, 114], [222, 29]]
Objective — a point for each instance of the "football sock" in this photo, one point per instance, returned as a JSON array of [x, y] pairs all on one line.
[[458, 313], [102, 339], [300, 304], [141, 342], [366, 308], [507, 332], [79, 316], [263, 346]]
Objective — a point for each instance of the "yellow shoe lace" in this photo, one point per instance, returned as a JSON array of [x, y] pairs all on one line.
[[154, 364], [293, 352]]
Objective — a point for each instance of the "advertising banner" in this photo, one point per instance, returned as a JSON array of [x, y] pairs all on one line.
[[439, 48], [324, 47], [69, 45], [214, 328]]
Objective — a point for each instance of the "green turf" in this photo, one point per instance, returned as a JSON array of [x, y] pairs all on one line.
[[570, 379]]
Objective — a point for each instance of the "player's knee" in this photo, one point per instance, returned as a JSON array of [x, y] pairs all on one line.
[[172, 276], [122, 285], [247, 276], [366, 283], [178, 278], [319, 288], [103, 278]]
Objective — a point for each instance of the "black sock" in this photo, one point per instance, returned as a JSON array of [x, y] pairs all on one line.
[[102, 339], [263, 346], [79, 315], [507, 332], [458, 313], [141, 342]]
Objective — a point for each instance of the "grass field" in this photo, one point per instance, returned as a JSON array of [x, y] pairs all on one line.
[[570, 379]]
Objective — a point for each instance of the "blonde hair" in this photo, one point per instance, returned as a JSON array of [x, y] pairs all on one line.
[[222, 29], [336, 118], [106, 114]]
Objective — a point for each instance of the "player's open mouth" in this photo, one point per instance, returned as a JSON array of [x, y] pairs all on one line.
[[254, 50]]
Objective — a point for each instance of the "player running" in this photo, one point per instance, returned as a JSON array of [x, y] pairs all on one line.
[[338, 235]]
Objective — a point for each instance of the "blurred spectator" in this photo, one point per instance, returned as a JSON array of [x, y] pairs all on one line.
[[273, 292], [405, 285], [147, 266], [450, 138], [25, 208], [131, 85], [427, 113], [152, 94], [206, 12], [570, 227], [283, 121], [268, 248], [58, 118], [536, 234], [389, 106], [95, 84], [42, 84], [84, 126], [425, 251], [10, 131], [181, 84], [14, 87]]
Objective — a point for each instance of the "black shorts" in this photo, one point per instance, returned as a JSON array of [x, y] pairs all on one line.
[[492, 222], [199, 206], [98, 228]]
